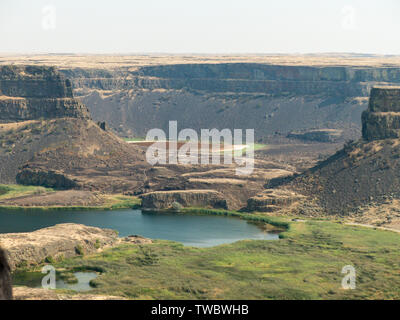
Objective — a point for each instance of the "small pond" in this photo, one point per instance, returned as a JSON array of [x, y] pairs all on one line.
[[34, 280]]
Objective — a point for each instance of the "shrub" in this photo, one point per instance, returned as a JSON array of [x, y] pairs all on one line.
[[79, 250], [176, 206], [97, 245], [50, 260]]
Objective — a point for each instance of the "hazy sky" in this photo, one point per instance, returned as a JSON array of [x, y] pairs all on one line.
[[201, 26]]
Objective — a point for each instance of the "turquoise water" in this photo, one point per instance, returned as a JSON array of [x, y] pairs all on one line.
[[191, 230]]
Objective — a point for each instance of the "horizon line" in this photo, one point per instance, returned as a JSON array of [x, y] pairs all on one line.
[[327, 53]]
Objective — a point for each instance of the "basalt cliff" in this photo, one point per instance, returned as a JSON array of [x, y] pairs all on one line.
[[32, 93], [382, 119]]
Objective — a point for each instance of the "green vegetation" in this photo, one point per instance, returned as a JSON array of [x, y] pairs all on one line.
[[24, 277], [8, 191], [135, 139], [256, 146], [306, 264], [67, 277], [259, 146], [114, 202], [50, 260], [97, 244]]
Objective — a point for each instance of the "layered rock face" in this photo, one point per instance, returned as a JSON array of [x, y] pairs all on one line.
[[382, 119], [274, 95], [185, 198], [28, 93], [272, 99]]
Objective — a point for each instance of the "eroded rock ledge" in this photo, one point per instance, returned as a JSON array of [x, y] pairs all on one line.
[[62, 240], [186, 198], [272, 200]]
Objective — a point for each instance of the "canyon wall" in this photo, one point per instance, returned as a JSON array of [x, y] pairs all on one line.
[[272, 99]]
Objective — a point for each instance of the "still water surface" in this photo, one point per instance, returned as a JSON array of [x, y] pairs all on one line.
[[191, 230]]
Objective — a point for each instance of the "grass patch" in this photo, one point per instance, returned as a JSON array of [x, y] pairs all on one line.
[[115, 202], [27, 278], [8, 191], [135, 139], [256, 147], [259, 146]]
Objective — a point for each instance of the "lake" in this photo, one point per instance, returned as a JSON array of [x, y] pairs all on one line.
[[189, 229]]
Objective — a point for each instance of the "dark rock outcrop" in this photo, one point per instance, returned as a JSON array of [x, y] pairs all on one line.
[[49, 178], [382, 119], [5, 277], [33, 82]]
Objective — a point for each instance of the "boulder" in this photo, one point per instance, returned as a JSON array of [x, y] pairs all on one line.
[[49, 178]]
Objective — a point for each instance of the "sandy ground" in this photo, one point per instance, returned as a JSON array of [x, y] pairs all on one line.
[[25, 293], [16, 125], [385, 216]]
